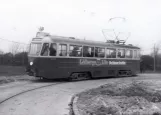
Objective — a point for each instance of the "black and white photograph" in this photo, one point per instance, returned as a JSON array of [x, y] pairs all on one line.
[[80, 57]]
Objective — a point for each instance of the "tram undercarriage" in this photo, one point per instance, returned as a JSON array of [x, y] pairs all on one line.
[[87, 74]]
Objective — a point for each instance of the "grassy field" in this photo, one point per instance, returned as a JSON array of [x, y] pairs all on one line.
[[13, 73], [11, 70], [138, 97]]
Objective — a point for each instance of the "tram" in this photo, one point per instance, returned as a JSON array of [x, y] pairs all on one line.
[[52, 57]]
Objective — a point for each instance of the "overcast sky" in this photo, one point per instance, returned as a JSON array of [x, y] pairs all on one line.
[[20, 19]]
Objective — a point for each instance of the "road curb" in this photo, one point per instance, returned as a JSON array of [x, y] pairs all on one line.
[[74, 110]]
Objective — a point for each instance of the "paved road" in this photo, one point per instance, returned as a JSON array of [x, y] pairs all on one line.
[[53, 99]]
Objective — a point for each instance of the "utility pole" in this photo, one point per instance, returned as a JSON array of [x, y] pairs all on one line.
[[154, 57], [23, 57]]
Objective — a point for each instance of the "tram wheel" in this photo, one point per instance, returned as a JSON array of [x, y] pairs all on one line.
[[73, 76], [69, 79], [34, 74], [89, 75], [129, 73]]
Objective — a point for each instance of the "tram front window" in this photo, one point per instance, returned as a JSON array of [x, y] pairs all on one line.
[[45, 49], [35, 49], [53, 49]]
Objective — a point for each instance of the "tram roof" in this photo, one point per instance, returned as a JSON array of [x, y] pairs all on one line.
[[72, 40], [88, 42]]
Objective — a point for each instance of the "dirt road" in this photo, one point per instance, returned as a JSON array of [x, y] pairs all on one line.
[[50, 98]]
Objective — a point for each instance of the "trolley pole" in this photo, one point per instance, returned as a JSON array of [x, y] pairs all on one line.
[[154, 58]]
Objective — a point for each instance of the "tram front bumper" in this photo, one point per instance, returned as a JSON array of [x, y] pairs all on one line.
[[29, 70]]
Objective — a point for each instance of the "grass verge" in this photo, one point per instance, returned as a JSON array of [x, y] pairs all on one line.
[[135, 98], [10, 74]]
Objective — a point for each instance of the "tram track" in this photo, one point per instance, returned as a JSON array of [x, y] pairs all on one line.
[[28, 90], [38, 87]]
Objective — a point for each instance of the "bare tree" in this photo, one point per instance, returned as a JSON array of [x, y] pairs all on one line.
[[156, 55], [14, 48], [1, 52]]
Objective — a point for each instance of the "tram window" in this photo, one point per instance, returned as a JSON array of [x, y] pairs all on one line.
[[35, 48], [121, 53], [53, 49], [110, 53], [138, 53], [62, 50], [135, 54], [88, 51], [75, 51], [99, 52], [129, 54], [45, 49]]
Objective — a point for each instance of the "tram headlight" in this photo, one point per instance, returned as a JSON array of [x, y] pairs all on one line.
[[31, 63]]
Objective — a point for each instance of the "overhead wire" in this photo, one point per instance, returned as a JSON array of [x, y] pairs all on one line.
[[13, 41]]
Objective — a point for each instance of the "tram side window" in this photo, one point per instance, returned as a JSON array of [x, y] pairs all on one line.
[[129, 53], [121, 53], [99, 52], [75, 51], [135, 53], [110, 53], [62, 50], [53, 49], [138, 54], [45, 49], [88, 51]]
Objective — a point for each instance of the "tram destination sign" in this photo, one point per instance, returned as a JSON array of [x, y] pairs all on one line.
[[101, 62]]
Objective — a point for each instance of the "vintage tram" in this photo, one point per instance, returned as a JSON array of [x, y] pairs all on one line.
[[51, 57]]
